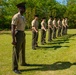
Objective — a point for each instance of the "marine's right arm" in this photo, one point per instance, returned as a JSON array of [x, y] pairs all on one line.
[[13, 27], [63, 24], [34, 29], [49, 24], [42, 25], [33, 26], [54, 24]]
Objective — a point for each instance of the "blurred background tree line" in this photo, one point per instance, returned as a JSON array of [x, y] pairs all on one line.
[[41, 7]]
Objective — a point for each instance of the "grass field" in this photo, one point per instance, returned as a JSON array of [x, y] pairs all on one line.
[[54, 58]]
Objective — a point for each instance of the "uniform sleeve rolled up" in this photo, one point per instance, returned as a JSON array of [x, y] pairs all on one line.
[[33, 23], [14, 20]]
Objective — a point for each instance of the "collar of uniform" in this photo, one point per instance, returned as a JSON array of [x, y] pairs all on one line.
[[35, 20], [50, 19], [20, 14]]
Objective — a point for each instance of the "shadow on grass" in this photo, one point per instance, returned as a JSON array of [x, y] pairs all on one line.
[[44, 67], [9, 32], [55, 47], [63, 39], [57, 42], [5, 33]]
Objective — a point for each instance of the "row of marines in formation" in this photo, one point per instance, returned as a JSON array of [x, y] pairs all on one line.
[[56, 28], [18, 34]]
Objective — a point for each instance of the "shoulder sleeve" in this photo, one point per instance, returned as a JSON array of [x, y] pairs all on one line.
[[49, 22], [62, 22], [66, 22], [58, 22], [41, 23], [14, 20], [33, 23], [53, 23]]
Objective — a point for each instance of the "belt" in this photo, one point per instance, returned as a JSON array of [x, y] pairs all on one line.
[[19, 31]]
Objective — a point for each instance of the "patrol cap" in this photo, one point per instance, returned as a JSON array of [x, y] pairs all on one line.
[[22, 5]]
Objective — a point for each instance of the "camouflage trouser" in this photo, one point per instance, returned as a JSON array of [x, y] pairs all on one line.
[[43, 36], [34, 39], [19, 49], [49, 34], [54, 32]]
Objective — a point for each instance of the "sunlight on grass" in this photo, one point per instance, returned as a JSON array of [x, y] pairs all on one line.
[[54, 58]]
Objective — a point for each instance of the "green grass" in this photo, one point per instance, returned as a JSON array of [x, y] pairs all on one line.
[[54, 58]]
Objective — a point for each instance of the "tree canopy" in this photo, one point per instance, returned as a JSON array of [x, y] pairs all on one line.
[[41, 7]]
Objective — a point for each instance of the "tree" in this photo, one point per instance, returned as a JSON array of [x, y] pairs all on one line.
[[71, 13], [44, 8]]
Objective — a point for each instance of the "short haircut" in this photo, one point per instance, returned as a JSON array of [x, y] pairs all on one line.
[[51, 17], [44, 18], [36, 15]]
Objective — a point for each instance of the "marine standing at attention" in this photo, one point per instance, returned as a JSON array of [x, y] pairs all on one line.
[[50, 29], [43, 31], [54, 28], [66, 23], [59, 27], [18, 36], [35, 24], [63, 26]]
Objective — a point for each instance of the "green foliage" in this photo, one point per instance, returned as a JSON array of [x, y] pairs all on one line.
[[71, 13], [41, 7]]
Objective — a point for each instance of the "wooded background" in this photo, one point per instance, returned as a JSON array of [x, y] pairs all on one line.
[[41, 7]]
